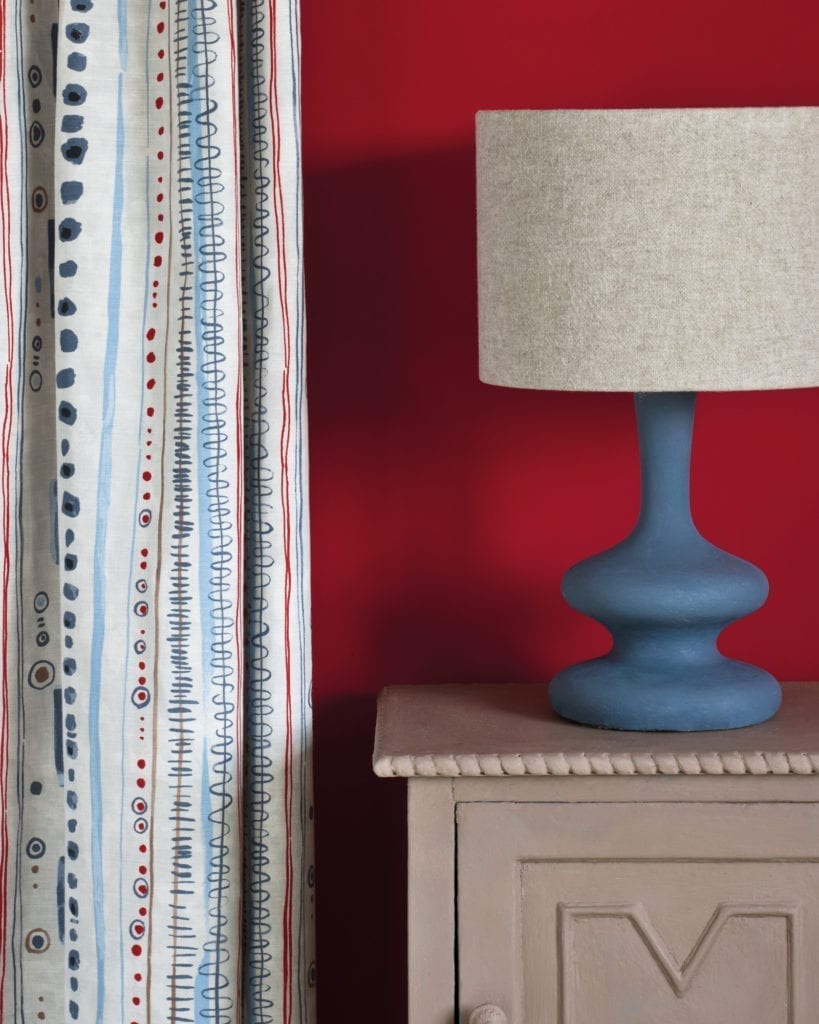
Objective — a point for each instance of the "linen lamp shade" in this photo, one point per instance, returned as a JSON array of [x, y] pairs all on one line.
[[649, 250]]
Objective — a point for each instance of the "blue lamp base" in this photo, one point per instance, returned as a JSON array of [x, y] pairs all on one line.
[[666, 594]]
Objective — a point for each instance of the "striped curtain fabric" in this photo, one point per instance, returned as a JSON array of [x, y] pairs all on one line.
[[155, 843]]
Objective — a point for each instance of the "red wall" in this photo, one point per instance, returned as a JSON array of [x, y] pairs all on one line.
[[444, 511]]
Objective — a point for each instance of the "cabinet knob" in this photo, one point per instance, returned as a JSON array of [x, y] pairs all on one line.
[[487, 1014]]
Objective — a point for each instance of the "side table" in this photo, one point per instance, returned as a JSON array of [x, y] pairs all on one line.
[[566, 875]]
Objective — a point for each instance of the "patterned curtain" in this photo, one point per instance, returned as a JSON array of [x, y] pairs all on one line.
[[155, 842]]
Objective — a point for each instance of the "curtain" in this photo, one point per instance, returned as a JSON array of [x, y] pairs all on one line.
[[155, 844]]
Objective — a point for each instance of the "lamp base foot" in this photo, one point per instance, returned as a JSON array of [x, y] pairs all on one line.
[[724, 695]]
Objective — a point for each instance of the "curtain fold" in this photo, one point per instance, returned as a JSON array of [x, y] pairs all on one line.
[[156, 848]]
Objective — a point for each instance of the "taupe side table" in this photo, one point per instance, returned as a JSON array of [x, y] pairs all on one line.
[[562, 875]]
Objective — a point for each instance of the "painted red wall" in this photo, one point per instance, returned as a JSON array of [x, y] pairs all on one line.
[[444, 511]]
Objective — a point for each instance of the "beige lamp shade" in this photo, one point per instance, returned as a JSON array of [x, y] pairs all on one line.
[[649, 250]]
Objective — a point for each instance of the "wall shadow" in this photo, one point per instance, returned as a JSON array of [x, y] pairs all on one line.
[[432, 542]]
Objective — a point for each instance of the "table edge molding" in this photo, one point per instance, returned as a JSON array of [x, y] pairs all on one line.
[[625, 764]]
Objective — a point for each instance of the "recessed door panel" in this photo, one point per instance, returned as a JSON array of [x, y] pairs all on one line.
[[639, 913]]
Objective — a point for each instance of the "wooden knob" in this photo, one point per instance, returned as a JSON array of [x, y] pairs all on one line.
[[487, 1014]]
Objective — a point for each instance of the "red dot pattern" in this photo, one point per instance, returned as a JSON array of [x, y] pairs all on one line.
[[143, 682]]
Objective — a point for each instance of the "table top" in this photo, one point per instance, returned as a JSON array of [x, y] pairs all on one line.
[[496, 730]]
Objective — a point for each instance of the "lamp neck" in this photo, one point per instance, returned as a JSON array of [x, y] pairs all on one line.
[[665, 423]]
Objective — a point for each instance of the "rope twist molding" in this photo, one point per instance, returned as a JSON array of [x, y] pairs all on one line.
[[496, 765]]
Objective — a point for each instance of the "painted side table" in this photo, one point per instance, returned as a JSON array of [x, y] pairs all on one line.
[[566, 875]]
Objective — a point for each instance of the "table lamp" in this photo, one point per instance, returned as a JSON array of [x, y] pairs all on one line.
[[662, 252]]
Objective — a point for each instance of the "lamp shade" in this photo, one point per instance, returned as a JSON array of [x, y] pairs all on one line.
[[649, 250]]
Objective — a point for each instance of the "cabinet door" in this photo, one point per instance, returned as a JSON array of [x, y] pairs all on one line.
[[654, 913]]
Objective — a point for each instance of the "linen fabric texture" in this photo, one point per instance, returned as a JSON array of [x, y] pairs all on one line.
[[155, 794], [649, 250]]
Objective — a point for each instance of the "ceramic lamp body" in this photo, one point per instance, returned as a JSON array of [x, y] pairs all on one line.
[[665, 593]]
